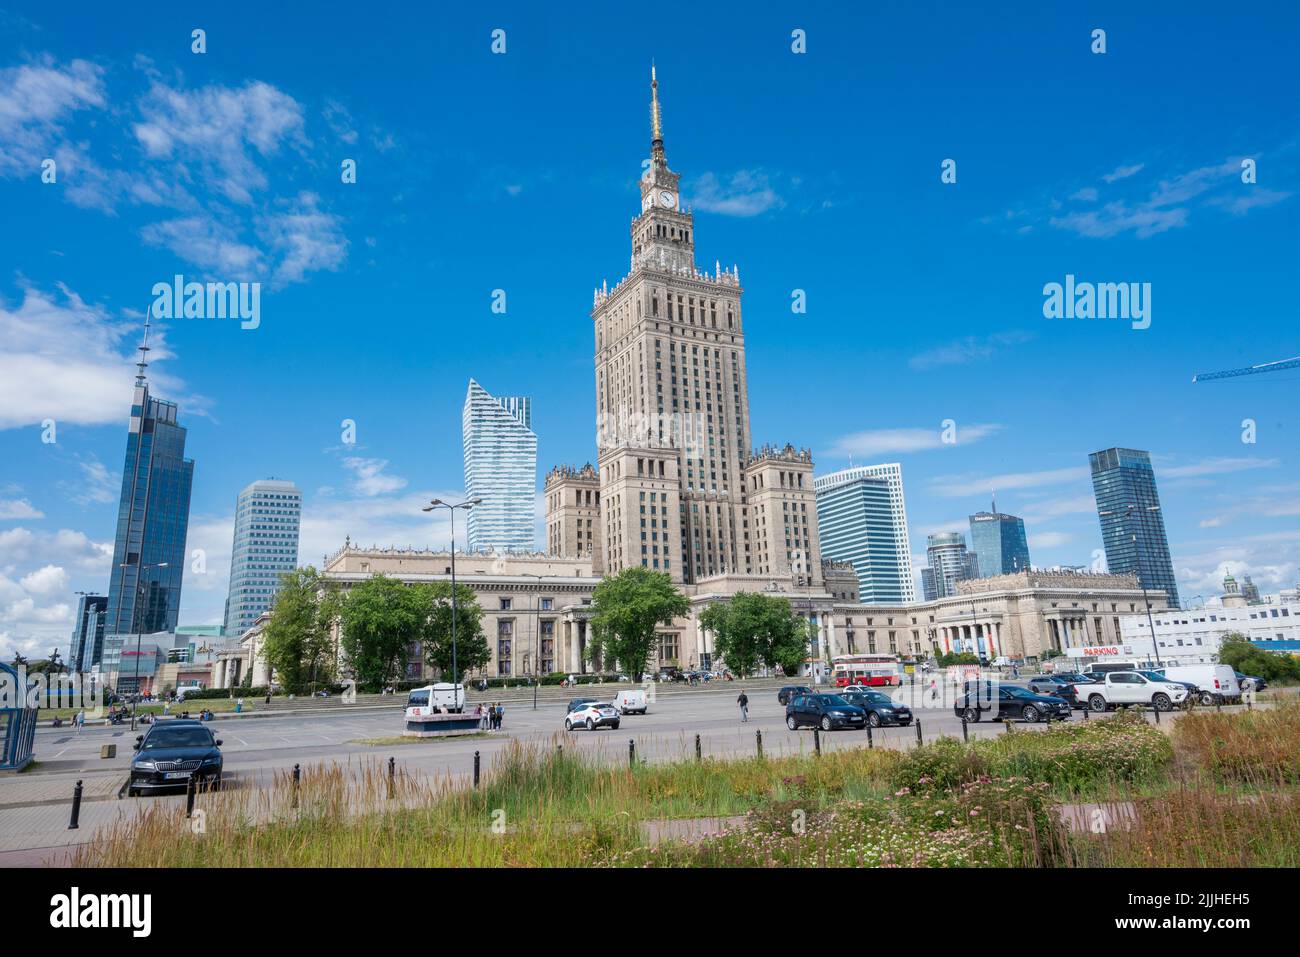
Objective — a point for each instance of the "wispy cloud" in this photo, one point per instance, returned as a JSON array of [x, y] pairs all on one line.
[[1216, 466], [1129, 200], [953, 486], [969, 349], [878, 442], [19, 508], [369, 478], [36, 102], [1123, 172], [744, 193]]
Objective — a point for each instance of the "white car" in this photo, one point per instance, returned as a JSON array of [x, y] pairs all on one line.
[[592, 715], [1120, 688]]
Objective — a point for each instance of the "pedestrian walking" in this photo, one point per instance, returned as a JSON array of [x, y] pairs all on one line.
[[743, 701], [80, 720], [934, 690], [501, 715]]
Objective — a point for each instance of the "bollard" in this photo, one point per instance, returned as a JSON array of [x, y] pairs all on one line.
[[759, 736], [1218, 704], [918, 732], [1250, 703], [817, 740], [190, 788], [965, 732], [870, 737], [392, 776], [1157, 711], [1006, 723], [476, 768], [1086, 711], [631, 752], [697, 748], [76, 808], [297, 777]]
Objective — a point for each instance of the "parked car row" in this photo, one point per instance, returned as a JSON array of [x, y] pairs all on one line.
[[854, 707]]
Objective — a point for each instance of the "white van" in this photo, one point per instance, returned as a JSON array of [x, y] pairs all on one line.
[[1218, 683], [1103, 668], [432, 698], [184, 690], [630, 701]]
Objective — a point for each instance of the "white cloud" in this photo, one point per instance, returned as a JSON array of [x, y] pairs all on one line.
[[36, 100], [953, 486], [209, 242], [64, 359], [216, 130], [45, 581], [969, 349], [1216, 466], [19, 508], [370, 479], [1049, 539], [1123, 172], [879, 442], [746, 193]]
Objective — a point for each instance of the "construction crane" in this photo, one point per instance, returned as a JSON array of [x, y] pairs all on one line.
[[1292, 363]]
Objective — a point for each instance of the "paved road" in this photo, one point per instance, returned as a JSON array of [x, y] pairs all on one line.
[[34, 806]]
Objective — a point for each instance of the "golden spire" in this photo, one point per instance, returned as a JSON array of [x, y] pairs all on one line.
[[656, 126]]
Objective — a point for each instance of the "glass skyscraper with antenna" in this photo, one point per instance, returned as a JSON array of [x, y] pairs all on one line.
[[153, 517]]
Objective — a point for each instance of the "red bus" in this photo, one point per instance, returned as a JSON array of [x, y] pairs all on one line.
[[872, 670]]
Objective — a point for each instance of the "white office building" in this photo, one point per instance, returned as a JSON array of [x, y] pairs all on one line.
[[862, 520], [267, 515], [1193, 635], [501, 469]]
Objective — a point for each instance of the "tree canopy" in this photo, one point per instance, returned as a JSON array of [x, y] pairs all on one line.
[[382, 619], [627, 608], [297, 643], [471, 645], [755, 628]]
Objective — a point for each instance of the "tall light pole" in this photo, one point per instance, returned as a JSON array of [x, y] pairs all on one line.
[[135, 614], [1127, 513], [451, 509]]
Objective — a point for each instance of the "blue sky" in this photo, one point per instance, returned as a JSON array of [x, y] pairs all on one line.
[[817, 171]]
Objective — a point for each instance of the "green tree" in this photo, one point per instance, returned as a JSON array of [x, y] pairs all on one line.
[[626, 610], [752, 628], [297, 643], [382, 618], [957, 658], [1238, 652], [471, 644]]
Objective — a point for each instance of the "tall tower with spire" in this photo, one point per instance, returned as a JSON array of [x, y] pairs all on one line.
[[672, 406], [152, 520]]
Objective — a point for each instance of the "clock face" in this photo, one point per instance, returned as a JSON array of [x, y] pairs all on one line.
[[667, 199]]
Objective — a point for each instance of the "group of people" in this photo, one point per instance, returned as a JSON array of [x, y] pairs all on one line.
[[491, 716]]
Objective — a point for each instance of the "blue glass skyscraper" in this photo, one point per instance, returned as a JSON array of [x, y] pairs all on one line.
[[999, 543], [861, 519], [153, 517], [1132, 525]]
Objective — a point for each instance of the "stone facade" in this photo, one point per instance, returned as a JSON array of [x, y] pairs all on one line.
[[573, 514]]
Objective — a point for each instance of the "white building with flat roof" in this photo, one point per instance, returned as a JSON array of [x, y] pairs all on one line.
[[1194, 635]]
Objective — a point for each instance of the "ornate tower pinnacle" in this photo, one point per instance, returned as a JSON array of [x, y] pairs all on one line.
[[656, 123]]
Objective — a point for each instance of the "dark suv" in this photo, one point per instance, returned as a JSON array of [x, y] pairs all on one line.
[[172, 752], [789, 691], [825, 711]]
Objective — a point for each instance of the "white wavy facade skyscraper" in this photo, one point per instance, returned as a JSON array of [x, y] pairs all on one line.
[[500, 468]]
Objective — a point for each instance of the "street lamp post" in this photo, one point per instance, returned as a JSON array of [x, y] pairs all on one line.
[[135, 615], [451, 509]]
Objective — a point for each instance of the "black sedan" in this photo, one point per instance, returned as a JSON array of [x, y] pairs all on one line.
[[1007, 701], [789, 691], [170, 753], [1250, 682], [880, 708], [825, 711]]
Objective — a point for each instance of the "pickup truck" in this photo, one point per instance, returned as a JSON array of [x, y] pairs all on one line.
[[1120, 688]]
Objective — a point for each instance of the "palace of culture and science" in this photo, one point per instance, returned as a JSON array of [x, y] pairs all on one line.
[[676, 488]]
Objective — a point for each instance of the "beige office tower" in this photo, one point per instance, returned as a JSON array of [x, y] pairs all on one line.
[[672, 406], [573, 514]]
